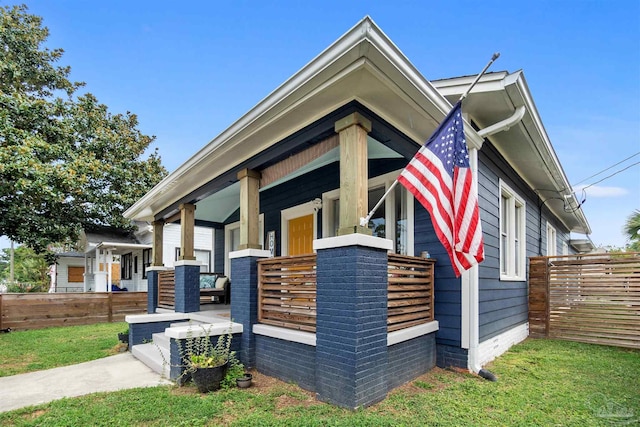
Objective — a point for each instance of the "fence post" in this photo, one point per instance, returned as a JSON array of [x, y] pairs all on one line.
[[1, 314], [110, 303], [547, 310]]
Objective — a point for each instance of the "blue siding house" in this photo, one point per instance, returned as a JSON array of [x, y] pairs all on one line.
[[294, 175]]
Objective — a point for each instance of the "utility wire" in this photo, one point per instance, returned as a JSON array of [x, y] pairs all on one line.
[[613, 174], [610, 167]]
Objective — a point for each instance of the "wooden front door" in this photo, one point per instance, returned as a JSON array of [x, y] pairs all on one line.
[[301, 235]]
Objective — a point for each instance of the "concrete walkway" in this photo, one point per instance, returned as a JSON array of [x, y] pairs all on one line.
[[111, 373]]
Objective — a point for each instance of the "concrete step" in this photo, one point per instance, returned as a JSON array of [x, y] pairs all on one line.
[[193, 323], [161, 340], [154, 357]]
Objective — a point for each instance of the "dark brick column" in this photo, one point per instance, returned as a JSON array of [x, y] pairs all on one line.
[[152, 288], [187, 286], [351, 334], [244, 299]]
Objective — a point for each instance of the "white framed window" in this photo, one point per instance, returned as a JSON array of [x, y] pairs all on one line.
[[551, 240], [202, 255], [393, 220], [565, 248], [512, 234], [232, 241]]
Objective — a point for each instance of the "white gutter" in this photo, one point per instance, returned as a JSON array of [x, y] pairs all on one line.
[[505, 124]]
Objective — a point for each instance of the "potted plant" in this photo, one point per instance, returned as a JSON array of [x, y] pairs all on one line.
[[205, 362], [245, 380], [124, 336]]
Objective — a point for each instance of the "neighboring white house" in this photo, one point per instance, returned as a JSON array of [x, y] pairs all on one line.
[[112, 260]]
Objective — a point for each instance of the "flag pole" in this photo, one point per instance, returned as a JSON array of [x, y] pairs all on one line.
[[364, 221]]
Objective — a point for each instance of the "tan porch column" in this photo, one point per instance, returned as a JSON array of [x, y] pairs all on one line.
[[156, 251], [187, 230], [353, 131], [249, 209]]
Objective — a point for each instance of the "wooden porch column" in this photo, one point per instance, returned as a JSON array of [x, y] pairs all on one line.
[[249, 209], [187, 230], [156, 251], [353, 131]]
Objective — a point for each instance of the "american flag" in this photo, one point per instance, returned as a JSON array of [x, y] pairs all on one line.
[[439, 176]]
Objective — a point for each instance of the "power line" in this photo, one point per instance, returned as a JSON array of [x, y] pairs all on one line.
[[604, 170], [613, 174]]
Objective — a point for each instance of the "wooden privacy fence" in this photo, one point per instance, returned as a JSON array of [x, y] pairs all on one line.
[[42, 310], [287, 292], [587, 298]]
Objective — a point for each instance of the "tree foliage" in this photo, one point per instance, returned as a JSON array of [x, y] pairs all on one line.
[[66, 162], [632, 230], [30, 270]]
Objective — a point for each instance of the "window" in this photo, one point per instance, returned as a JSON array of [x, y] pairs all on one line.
[[551, 240], [232, 240], [565, 248], [393, 220], [126, 266], [135, 265], [202, 255], [146, 262], [75, 274], [512, 234]]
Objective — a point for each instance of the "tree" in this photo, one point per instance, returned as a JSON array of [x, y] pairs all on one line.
[[66, 162], [30, 270], [632, 230]]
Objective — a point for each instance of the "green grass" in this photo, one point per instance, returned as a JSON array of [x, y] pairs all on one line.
[[27, 351], [540, 383]]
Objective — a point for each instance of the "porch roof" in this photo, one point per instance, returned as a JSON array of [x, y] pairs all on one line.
[[362, 67]]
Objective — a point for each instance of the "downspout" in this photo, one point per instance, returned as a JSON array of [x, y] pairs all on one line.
[[470, 279]]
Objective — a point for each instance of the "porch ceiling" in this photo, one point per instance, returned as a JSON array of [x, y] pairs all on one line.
[[218, 206]]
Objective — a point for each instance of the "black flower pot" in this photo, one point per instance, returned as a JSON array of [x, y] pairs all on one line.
[[208, 379], [123, 338]]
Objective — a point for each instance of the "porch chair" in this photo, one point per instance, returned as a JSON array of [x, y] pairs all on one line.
[[214, 285]]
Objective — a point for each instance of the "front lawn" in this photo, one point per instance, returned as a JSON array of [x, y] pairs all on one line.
[[540, 383], [38, 349]]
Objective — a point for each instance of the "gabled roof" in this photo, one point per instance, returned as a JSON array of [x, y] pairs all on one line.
[[362, 65], [366, 67], [525, 145]]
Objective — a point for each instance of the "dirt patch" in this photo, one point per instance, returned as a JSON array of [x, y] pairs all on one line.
[[35, 414], [434, 381]]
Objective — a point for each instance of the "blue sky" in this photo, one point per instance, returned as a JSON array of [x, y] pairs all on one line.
[[190, 69]]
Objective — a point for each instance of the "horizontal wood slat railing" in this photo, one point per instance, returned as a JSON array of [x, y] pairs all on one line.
[[166, 289], [587, 298], [287, 292], [43, 310], [410, 291]]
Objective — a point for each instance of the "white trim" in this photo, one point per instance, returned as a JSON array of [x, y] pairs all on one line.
[[203, 329], [184, 262], [354, 239], [552, 243], [493, 347], [157, 268], [260, 253], [407, 334], [155, 317], [288, 214], [515, 201], [301, 337]]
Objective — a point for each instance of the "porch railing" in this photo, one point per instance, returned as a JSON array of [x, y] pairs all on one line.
[[287, 292], [166, 289], [410, 291]]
